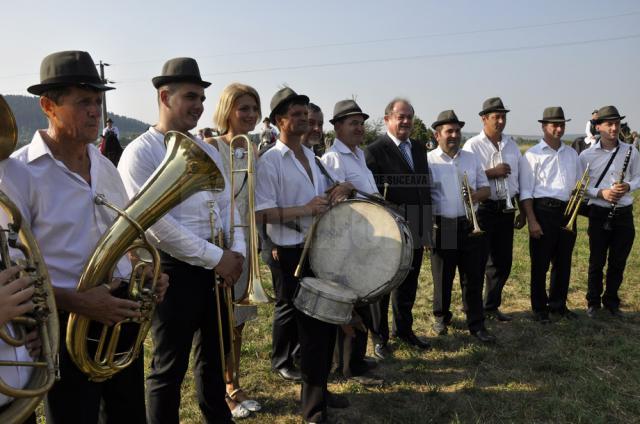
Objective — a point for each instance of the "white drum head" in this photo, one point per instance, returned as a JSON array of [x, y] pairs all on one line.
[[357, 244]]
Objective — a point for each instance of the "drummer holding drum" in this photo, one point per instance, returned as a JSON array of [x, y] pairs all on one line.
[[290, 191], [459, 183]]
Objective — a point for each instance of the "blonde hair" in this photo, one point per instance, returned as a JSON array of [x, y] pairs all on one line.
[[228, 97]]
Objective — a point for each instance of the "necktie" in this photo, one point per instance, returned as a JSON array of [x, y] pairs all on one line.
[[405, 148]]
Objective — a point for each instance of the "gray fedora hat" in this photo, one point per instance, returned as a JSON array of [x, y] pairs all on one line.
[[607, 113], [180, 69], [553, 114], [68, 68], [284, 96], [447, 117], [493, 104], [345, 108]]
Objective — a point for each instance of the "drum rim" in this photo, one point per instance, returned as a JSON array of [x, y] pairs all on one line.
[[353, 298]]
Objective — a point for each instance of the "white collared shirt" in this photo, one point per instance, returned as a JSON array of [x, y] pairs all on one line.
[[545, 172], [282, 182], [447, 174], [183, 232], [597, 158], [15, 183], [488, 155], [65, 219], [113, 129], [349, 166]]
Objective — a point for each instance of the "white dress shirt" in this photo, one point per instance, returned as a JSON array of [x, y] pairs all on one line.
[[183, 232], [113, 129], [447, 174], [597, 158], [282, 182], [65, 220], [545, 172], [14, 182], [488, 155], [349, 166]]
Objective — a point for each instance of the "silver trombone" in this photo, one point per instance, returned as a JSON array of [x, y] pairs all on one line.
[[502, 184]]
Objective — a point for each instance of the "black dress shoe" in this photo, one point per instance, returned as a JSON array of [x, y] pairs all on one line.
[[381, 351], [440, 328], [337, 401], [592, 311], [415, 341], [542, 317], [497, 315], [484, 336], [372, 363], [567, 314], [289, 374], [615, 311]]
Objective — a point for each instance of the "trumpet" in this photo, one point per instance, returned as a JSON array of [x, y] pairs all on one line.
[[468, 206], [44, 316], [255, 294], [575, 201], [502, 184], [185, 170]]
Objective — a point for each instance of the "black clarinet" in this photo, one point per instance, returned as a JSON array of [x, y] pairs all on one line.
[[614, 205]]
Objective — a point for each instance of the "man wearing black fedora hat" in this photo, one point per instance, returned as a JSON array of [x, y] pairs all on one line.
[[401, 163], [192, 261], [548, 173], [345, 159], [499, 156], [455, 243], [68, 170], [615, 166], [291, 189]]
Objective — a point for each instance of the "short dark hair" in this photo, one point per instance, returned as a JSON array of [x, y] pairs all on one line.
[[56, 94], [314, 108], [283, 108]]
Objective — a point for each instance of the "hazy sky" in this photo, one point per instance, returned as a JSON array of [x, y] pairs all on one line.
[[440, 54]]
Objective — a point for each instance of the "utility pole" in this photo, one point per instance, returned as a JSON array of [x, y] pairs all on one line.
[[104, 95]]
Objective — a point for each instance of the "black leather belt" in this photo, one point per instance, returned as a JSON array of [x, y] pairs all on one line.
[[496, 205], [549, 203]]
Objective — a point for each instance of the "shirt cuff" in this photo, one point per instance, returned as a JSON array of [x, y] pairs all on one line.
[[593, 192], [212, 256], [265, 205]]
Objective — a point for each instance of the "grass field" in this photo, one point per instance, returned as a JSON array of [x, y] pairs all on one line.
[[581, 371]]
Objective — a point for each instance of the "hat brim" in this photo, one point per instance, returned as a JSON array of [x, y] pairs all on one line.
[[486, 112], [612, 118], [438, 123], [305, 99], [553, 120], [337, 119], [38, 89], [159, 81]]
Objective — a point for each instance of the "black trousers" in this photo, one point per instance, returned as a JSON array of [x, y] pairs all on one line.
[[402, 299], [498, 228], [610, 247], [75, 399], [554, 248], [285, 329], [317, 338], [455, 248], [350, 351], [188, 315]]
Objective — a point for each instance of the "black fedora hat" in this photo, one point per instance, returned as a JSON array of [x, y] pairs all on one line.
[[493, 104], [345, 108], [447, 117], [607, 113], [180, 69], [553, 114], [282, 97], [62, 69]]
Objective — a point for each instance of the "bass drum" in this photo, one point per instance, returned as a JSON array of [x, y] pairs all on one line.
[[364, 246]]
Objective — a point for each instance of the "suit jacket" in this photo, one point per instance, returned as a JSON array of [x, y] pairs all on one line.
[[409, 189]]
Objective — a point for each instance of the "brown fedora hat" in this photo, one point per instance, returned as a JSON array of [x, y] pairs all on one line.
[[607, 113], [345, 108], [447, 117], [553, 114], [283, 96], [493, 104], [180, 69], [67, 68]]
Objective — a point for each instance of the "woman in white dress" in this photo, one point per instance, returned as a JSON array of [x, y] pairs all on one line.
[[238, 112]]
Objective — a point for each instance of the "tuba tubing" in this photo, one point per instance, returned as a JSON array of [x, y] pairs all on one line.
[[185, 170]]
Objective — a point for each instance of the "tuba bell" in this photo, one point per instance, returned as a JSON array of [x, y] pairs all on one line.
[[185, 170], [44, 316]]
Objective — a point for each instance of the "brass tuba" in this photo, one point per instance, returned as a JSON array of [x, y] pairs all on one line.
[[185, 170], [44, 315]]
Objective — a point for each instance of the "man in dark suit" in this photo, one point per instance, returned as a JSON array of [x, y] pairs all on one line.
[[401, 163]]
